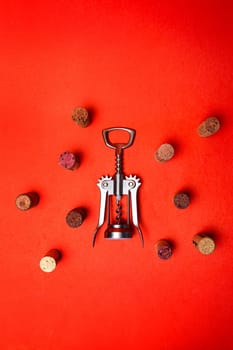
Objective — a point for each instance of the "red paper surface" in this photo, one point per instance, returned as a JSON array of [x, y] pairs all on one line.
[[160, 67]]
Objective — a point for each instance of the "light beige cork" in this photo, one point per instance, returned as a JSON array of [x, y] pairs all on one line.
[[23, 202], [49, 262], [204, 244], [26, 201]]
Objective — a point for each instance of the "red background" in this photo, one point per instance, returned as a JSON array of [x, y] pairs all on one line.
[[160, 67]]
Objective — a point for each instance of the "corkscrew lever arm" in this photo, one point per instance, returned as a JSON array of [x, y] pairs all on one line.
[[105, 185], [132, 183]]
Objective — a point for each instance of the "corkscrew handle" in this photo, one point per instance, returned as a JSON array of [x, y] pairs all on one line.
[[118, 145]]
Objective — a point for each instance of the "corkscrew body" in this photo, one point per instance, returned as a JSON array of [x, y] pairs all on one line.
[[117, 187]]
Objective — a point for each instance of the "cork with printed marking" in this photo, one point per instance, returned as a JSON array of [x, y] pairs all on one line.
[[163, 249], [69, 160], [49, 262]]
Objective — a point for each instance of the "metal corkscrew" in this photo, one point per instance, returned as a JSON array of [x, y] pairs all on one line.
[[115, 188]]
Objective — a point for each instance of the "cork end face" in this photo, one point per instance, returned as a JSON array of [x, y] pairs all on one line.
[[206, 245], [181, 200], [164, 153], [68, 160], [163, 249], [48, 264], [209, 127], [164, 253], [23, 202], [81, 117], [75, 218]]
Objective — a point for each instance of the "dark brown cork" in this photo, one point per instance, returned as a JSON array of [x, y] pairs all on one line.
[[208, 127], [75, 217], [26, 201], [49, 262], [163, 249], [204, 243], [164, 153], [181, 200], [81, 117]]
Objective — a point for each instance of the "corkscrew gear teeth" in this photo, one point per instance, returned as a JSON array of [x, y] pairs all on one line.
[[117, 186]]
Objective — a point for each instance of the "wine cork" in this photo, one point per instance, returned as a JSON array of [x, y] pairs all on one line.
[[75, 217], [208, 127], [163, 249], [26, 201], [181, 200], [49, 262], [81, 117], [164, 153], [204, 243], [69, 160]]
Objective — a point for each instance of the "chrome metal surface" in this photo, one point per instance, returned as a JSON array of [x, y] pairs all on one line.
[[118, 231], [117, 186], [118, 146]]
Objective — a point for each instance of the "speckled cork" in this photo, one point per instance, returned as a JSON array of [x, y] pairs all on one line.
[[163, 249], [75, 217], [49, 262], [181, 200], [81, 117], [69, 160], [164, 153], [204, 243], [26, 201], [208, 127]]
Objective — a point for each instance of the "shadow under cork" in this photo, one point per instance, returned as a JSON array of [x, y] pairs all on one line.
[[91, 113], [85, 212], [176, 144], [80, 157], [213, 233], [62, 254], [35, 195]]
